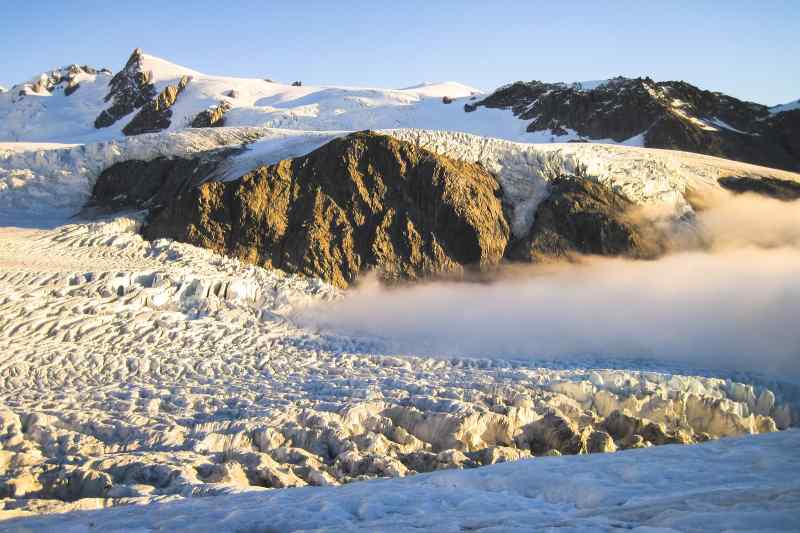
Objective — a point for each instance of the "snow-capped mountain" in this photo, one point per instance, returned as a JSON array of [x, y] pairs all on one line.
[[670, 114], [190, 305], [144, 97], [81, 104]]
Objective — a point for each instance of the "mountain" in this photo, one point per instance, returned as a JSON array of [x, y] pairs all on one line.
[[361, 202], [150, 94], [408, 204], [671, 114], [82, 104]]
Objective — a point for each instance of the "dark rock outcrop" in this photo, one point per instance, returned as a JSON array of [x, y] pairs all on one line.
[[71, 88], [617, 111], [156, 114], [138, 184], [213, 117], [671, 114], [773, 187], [129, 89], [65, 78], [581, 216], [362, 202], [784, 129], [369, 202]]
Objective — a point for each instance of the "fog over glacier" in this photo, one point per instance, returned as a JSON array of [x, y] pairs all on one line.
[[728, 296]]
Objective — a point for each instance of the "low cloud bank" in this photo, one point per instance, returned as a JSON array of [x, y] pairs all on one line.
[[732, 302]]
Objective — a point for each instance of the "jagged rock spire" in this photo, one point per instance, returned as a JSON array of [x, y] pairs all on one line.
[[129, 89]]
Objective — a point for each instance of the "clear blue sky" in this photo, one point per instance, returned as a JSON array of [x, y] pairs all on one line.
[[750, 50]]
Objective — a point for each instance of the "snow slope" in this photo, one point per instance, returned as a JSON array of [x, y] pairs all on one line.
[[737, 484], [46, 117], [56, 117], [452, 89], [44, 178]]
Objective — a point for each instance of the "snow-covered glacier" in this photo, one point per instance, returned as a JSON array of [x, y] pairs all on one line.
[[185, 389]]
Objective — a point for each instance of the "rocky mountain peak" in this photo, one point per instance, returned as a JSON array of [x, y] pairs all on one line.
[[670, 114], [63, 78], [135, 60], [129, 89]]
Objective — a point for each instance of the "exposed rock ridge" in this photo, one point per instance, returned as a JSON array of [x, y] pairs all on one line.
[[670, 114], [362, 202], [65, 78], [156, 114], [581, 216], [371, 202], [213, 117], [129, 89], [773, 187]]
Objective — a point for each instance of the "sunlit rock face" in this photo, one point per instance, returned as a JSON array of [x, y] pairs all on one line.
[[156, 114], [213, 117], [362, 202], [368, 202]]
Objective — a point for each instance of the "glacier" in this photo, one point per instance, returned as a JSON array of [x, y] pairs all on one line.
[[155, 385]]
